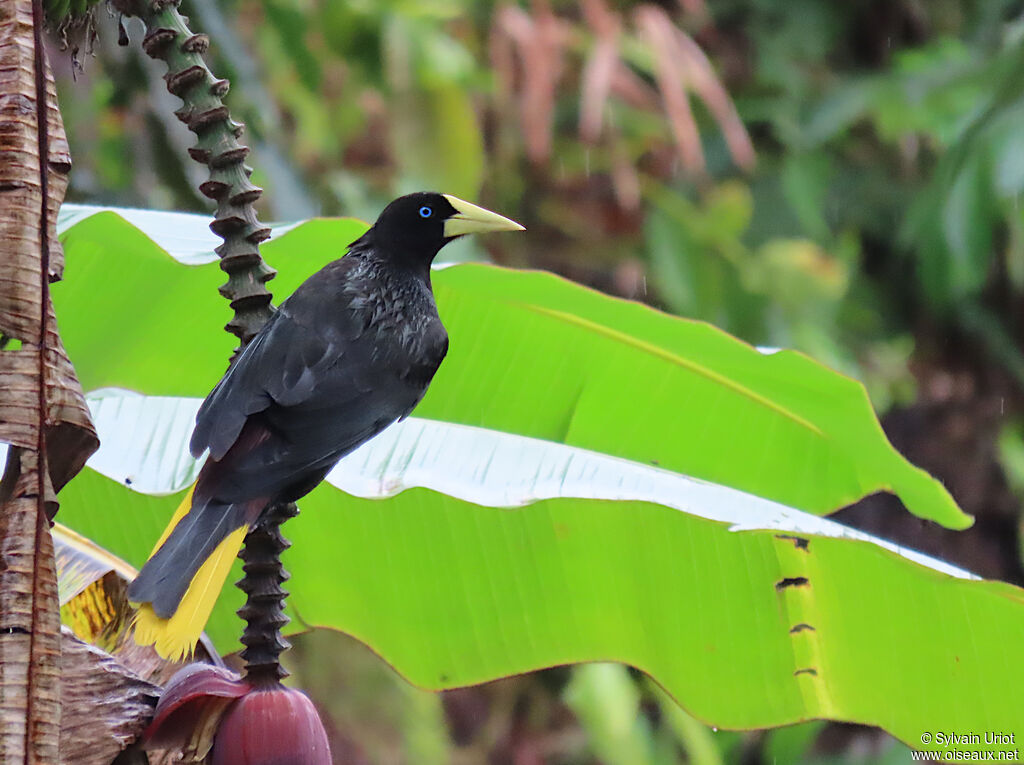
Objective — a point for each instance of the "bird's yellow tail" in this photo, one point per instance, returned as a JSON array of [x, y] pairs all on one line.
[[176, 637]]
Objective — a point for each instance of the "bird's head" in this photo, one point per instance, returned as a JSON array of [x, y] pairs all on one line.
[[415, 227]]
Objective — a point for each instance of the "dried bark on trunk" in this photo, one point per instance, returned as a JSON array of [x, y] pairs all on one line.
[[43, 415], [105, 704], [109, 683], [61, 700]]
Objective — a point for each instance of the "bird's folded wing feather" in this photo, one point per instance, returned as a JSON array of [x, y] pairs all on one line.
[[280, 366]]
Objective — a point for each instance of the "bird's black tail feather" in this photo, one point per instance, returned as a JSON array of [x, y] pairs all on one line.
[[166, 576]]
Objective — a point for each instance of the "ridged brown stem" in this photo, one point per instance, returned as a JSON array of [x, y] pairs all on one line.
[[169, 39], [263, 610]]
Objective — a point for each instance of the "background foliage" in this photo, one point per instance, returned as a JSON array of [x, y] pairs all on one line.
[[878, 230]]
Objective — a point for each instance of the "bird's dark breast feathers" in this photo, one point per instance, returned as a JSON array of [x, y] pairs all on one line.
[[352, 351]]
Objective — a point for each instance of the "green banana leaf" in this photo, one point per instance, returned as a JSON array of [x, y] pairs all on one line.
[[587, 479]]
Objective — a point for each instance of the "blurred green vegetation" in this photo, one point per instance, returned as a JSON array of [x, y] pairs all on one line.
[[876, 227]]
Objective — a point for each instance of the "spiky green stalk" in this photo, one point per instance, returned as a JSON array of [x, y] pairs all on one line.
[[169, 39], [263, 611]]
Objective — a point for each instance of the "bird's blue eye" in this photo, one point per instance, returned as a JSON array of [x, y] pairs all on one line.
[[426, 212]]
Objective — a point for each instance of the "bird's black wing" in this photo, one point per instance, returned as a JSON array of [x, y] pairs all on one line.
[[284, 361], [279, 366], [322, 377]]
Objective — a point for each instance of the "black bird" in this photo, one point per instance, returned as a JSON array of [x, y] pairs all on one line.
[[348, 354]]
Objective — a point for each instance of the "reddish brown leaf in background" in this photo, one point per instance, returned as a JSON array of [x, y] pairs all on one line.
[[702, 78], [631, 88], [625, 178], [599, 71], [540, 42], [657, 28], [528, 52], [503, 62], [695, 11]]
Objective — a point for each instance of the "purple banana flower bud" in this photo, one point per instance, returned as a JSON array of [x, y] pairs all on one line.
[[210, 711], [276, 726]]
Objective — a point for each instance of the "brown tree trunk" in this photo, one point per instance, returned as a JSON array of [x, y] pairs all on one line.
[[43, 416]]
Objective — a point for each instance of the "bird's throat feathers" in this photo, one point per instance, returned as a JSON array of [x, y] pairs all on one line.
[[393, 256]]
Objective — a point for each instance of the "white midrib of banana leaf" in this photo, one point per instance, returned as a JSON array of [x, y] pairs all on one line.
[[144, 445]]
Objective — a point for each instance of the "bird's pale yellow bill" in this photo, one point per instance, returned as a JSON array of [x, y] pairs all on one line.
[[470, 219]]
